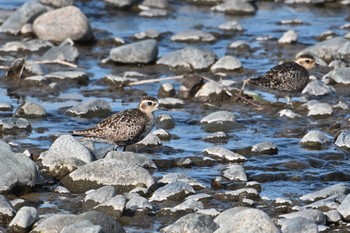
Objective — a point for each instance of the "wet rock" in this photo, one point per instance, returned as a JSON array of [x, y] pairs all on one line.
[[344, 208], [177, 190], [265, 148], [240, 44], [24, 219], [154, 13], [333, 216], [150, 140], [114, 207], [193, 36], [192, 223], [320, 109], [162, 134], [241, 221], [343, 139], [314, 139], [138, 159], [338, 75], [90, 108], [224, 154], [144, 52], [288, 37], [226, 63], [341, 105], [27, 29], [160, 4], [118, 80], [165, 121], [189, 58], [30, 45], [187, 205], [78, 77], [26, 13], [149, 34], [63, 23], [83, 226], [211, 91], [231, 26], [291, 22], [326, 35], [337, 64], [63, 52], [299, 224], [100, 195], [173, 177], [239, 194], [315, 216], [235, 172], [6, 107], [225, 216], [120, 3], [331, 202], [11, 124], [318, 88], [65, 155], [190, 85], [166, 90], [341, 188], [288, 113], [6, 210], [171, 102], [57, 3], [215, 119], [235, 7], [30, 110], [137, 203], [217, 137], [114, 172]]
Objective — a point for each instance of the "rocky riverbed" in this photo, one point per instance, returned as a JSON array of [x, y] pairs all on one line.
[[214, 162]]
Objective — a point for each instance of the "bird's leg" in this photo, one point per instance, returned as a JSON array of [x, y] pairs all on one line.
[[288, 98], [124, 148], [243, 85]]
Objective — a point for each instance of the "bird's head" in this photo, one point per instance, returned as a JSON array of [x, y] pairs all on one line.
[[307, 61], [148, 104]]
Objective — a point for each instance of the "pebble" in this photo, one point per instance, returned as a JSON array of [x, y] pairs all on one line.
[[79, 77], [219, 121], [6, 210], [57, 3], [314, 139], [217, 136], [265, 148], [288, 37], [288, 113], [90, 108], [154, 13], [24, 219], [30, 110], [119, 80], [166, 90], [341, 188], [5, 107], [176, 190], [150, 140], [193, 36], [224, 154], [235, 172], [239, 44], [11, 124], [173, 177], [226, 63], [136, 202], [235, 7], [231, 26], [187, 205], [160, 4], [27, 29], [318, 88], [138, 159], [320, 109], [333, 216]]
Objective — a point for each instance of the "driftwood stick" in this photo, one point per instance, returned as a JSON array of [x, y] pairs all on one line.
[[54, 61], [153, 80]]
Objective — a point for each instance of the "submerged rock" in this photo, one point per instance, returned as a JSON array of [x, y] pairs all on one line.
[[288, 113], [235, 7], [120, 3], [226, 63], [166, 90], [265, 148], [11, 124], [219, 121], [165, 121], [320, 109], [231, 25], [90, 108], [194, 36], [235, 172], [314, 139], [224, 154], [63, 52]]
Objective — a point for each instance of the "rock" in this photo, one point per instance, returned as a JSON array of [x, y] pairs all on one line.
[[138, 159], [189, 58], [314, 139], [78, 77], [315, 216], [341, 188], [338, 75], [165, 121], [333, 216], [343, 139], [240, 44], [100, 195], [102, 172], [24, 219], [265, 148], [63, 52], [177, 190], [187, 205], [166, 90], [190, 85], [318, 88], [288, 113], [143, 52], [225, 216], [231, 26], [6, 210], [224, 154], [331, 202], [193, 36], [137, 203], [320, 110], [26, 13], [18, 172], [90, 108], [114, 207], [171, 102], [239, 194], [65, 155], [27, 29], [235, 172], [241, 222], [217, 137], [154, 13], [341, 105], [226, 63], [5, 107], [173, 177], [4, 15], [160, 4], [11, 124], [83, 226], [150, 140], [235, 7], [30, 110], [120, 3], [60, 24], [57, 3], [211, 91], [344, 208], [192, 223], [299, 224], [288, 37]]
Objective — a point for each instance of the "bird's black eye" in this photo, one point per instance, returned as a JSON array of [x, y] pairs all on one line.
[[307, 61], [149, 103]]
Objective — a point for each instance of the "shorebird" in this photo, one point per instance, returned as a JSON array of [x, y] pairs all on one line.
[[288, 78], [126, 127]]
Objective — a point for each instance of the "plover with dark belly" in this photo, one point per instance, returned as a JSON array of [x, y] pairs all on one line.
[[126, 127]]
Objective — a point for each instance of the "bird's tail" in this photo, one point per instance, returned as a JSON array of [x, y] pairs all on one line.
[[84, 132]]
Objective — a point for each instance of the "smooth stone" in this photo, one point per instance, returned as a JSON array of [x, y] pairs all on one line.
[[239, 44], [199, 197], [144, 52], [6, 210], [60, 24], [138, 159], [101, 195], [30, 110], [90, 108], [314, 139], [344, 208], [231, 26], [173, 177], [192, 223], [154, 13], [338, 75], [235, 7], [291, 21], [211, 91], [225, 216], [57, 3], [137, 203], [189, 58], [343, 139], [161, 4], [66, 51], [211, 212], [226, 63], [9, 124], [265, 148], [288, 37], [318, 88], [102, 172], [5, 107], [333, 216], [27, 29], [65, 155], [335, 64], [187, 205], [162, 134], [170, 102], [315, 216], [331, 202], [219, 121], [165, 121], [190, 85], [320, 109], [120, 3], [27, 12], [83, 226], [235, 172], [194, 36], [341, 188], [173, 191], [217, 136], [239, 194], [225, 154], [4, 15], [298, 224], [30, 45], [79, 77], [24, 218], [114, 207], [119, 80], [150, 140], [166, 90], [288, 113]]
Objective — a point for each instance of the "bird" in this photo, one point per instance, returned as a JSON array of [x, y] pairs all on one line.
[[126, 127], [288, 78]]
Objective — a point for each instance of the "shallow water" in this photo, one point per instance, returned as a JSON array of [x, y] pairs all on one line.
[[276, 173]]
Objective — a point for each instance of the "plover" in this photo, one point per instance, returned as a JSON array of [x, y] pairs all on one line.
[[289, 77], [126, 127]]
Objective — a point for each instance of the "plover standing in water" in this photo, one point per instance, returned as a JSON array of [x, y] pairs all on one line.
[[126, 127], [289, 77]]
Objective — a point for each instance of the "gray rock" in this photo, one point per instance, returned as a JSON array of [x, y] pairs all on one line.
[[132, 158], [57, 3], [173, 191], [341, 105], [29, 45], [27, 29], [29, 110], [165, 121], [108, 172], [246, 220], [90, 108], [314, 139], [235, 172], [63, 23], [136, 202], [341, 188], [144, 52], [231, 26], [211, 91], [113, 207], [299, 224], [288, 37], [65, 155], [235, 7], [18, 172], [318, 88], [120, 3], [335, 64], [154, 13], [338, 75], [288, 113], [194, 36], [226, 63], [63, 52], [265, 147], [187, 205], [190, 84], [224, 154], [333, 216], [84, 226], [101, 195], [10, 124], [173, 177], [6, 210], [5, 107], [150, 140], [79, 77], [225, 216], [192, 223], [217, 136], [344, 208], [166, 90], [162, 134], [343, 139], [24, 218], [4, 15], [239, 194], [331, 202], [189, 58], [320, 109], [160, 4], [219, 117], [239, 44], [171, 102], [315, 216], [26, 13]]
